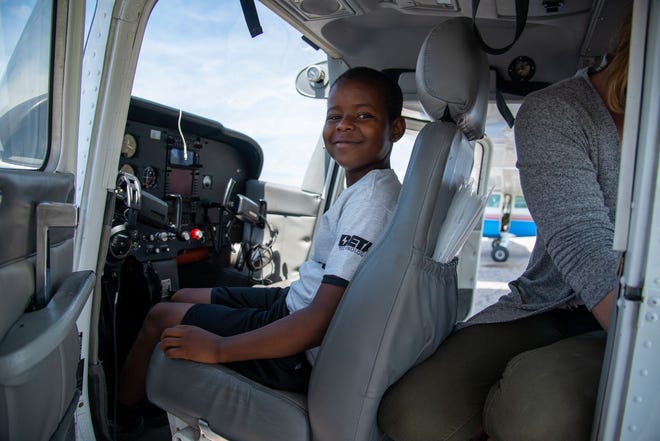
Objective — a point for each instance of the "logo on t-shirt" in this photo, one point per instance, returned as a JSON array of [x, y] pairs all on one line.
[[354, 243]]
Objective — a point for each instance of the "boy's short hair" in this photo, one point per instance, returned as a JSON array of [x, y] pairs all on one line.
[[389, 89]]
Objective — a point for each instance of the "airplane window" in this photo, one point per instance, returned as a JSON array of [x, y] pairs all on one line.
[[205, 62], [519, 202], [25, 51], [401, 153], [504, 152], [494, 200]]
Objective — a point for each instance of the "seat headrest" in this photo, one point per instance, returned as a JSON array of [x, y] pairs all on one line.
[[452, 74]]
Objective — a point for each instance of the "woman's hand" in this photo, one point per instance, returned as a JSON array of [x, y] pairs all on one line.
[[191, 343]]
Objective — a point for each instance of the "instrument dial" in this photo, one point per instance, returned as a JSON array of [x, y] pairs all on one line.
[[127, 168], [129, 146], [149, 177]]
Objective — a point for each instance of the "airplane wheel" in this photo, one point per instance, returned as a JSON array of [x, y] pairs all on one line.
[[495, 243], [499, 254]]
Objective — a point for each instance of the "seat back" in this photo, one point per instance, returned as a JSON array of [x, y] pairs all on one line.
[[401, 304]]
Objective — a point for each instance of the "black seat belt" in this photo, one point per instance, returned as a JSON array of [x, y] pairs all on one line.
[[500, 102]]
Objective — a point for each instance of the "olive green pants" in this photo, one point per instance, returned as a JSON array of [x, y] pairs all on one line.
[[531, 379]]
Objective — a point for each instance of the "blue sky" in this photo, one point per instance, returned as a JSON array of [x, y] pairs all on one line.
[[199, 56]]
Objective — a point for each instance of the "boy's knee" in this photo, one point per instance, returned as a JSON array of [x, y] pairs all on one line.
[[192, 295], [547, 394], [158, 319], [180, 296]]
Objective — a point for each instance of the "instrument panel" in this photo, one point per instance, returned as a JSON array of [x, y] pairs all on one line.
[[184, 177]]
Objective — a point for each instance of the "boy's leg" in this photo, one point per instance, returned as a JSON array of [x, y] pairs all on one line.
[[133, 376], [548, 393], [235, 297], [237, 310], [192, 295], [442, 398]]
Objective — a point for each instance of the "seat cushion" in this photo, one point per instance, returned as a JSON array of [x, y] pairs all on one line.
[[234, 406]]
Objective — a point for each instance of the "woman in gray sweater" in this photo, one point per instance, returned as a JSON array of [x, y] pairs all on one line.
[[528, 367]]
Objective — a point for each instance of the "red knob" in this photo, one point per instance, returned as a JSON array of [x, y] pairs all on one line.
[[196, 234]]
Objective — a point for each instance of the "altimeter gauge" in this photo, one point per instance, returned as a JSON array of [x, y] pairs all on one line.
[[129, 146]]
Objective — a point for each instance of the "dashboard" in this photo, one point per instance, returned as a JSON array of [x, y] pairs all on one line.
[[189, 171]]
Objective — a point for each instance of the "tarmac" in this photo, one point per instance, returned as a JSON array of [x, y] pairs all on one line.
[[493, 277]]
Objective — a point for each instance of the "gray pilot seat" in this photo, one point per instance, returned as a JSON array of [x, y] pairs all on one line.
[[400, 304]]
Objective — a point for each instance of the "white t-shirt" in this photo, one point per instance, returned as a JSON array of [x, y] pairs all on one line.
[[347, 231]]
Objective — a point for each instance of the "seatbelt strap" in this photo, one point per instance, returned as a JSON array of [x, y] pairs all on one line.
[[504, 108], [251, 17], [500, 102], [522, 6]]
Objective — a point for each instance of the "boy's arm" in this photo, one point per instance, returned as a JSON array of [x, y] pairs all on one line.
[[295, 333]]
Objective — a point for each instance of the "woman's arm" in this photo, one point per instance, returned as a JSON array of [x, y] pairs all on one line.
[[295, 333], [603, 310], [559, 159]]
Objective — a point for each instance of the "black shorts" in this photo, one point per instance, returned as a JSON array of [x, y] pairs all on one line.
[[235, 310]]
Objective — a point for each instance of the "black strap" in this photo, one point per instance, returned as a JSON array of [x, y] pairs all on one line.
[[504, 108], [500, 102], [251, 17], [522, 7]]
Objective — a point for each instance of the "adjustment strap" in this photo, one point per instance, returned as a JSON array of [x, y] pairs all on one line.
[[251, 17], [522, 7]]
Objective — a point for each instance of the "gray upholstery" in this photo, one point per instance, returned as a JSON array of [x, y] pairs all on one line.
[[235, 407], [450, 68], [292, 213], [398, 308], [38, 362], [39, 350]]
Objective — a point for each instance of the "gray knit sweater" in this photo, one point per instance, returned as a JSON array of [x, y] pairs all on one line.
[[568, 158]]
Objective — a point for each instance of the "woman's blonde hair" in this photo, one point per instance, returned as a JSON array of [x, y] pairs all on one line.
[[616, 72]]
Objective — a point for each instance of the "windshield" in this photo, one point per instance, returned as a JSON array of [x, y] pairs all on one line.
[[216, 70]]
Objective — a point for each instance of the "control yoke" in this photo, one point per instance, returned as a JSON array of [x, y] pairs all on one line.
[[128, 190], [246, 209]]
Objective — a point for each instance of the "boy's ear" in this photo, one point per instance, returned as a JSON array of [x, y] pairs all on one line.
[[398, 129]]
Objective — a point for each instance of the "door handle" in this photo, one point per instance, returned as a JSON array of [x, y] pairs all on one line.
[[49, 215]]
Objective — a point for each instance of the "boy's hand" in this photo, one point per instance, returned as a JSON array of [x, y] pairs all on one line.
[[191, 343]]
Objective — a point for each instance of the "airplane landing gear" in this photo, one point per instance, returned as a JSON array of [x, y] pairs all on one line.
[[499, 253]]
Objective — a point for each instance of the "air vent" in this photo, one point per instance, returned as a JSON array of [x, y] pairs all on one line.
[[324, 9], [424, 5]]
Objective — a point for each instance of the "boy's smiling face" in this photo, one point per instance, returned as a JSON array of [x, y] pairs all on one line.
[[357, 133]]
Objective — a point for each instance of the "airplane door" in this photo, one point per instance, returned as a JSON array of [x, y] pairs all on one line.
[[40, 295]]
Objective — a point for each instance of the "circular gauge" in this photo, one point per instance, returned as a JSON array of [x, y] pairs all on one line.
[[149, 177], [522, 69], [127, 168], [129, 145]]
